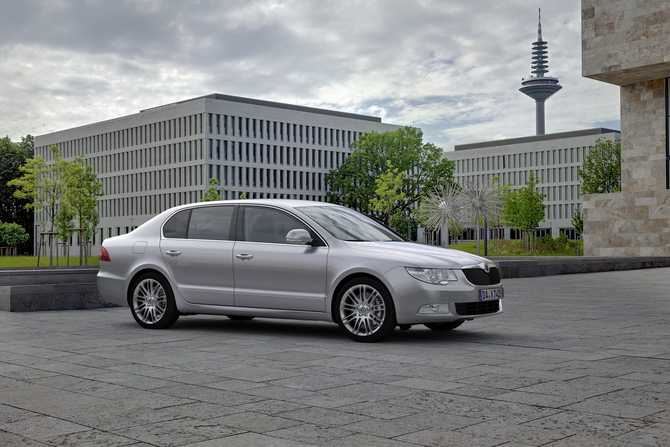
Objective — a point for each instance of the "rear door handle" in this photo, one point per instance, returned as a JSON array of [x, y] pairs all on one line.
[[243, 256], [173, 253]]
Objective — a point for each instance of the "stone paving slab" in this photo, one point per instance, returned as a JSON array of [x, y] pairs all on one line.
[[577, 360]]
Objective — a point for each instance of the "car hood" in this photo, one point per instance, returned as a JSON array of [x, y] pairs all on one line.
[[420, 255]]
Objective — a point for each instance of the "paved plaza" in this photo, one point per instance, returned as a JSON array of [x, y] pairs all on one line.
[[575, 360]]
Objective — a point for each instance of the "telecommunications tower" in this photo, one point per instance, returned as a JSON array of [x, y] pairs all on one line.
[[538, 86]]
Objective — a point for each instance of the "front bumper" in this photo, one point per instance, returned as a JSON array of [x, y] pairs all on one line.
[[459, 298]]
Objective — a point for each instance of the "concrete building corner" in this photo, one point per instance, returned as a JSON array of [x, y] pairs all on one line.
[[627, 43]]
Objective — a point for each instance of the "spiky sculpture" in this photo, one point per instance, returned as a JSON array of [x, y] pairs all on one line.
[[442, 207], [483, 201]]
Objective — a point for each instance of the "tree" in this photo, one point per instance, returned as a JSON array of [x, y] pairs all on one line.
[[79, 206], [44, 186], [12, 234], [389, 192], [601, 169], [578, 222], [12, 209], [353, 183], [212, 193], [524, 210]]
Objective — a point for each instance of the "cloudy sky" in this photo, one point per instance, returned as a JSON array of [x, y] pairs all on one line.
[[451, 67]]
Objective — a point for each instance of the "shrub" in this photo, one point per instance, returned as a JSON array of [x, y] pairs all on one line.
[[545, 245], [12, 234]]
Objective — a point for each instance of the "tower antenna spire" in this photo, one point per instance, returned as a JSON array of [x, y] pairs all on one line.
[[539, 86]]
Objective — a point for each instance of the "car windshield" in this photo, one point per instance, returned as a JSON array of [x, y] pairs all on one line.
[[348, 225]]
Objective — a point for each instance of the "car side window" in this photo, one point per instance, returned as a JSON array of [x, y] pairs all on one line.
[[177, 225], [211, 222], [268, 225]]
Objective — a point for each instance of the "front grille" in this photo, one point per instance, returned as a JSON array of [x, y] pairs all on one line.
[[478, 308], [479, 277]]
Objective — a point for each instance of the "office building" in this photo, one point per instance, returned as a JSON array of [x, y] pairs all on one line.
[[552, 158], [165, 156]]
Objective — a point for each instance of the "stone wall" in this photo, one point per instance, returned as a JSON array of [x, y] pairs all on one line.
[[643, 136], [40, 289], [625, 41], [627, 224]]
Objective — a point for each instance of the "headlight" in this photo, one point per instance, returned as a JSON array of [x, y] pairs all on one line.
[[432, 276]]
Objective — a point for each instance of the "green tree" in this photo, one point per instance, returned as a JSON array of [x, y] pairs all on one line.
[[12, 234], [601, 169], [212, 193], [524, 210], [79, 207], [389, 194], [353, 183], [578, 222], [44, 186], [12, 209]]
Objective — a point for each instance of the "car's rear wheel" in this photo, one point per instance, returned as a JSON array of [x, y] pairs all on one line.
[[364, 310], [152, 302], [239, 317], [441, 327]]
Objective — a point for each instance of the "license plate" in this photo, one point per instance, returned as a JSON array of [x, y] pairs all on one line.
[[490, 294]]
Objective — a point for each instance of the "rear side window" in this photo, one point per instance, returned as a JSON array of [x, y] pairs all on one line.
[[176, 226], [212, 222]]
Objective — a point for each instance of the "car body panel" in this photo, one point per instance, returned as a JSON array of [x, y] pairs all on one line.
[[280, 276], [201, 269], [283, 280]]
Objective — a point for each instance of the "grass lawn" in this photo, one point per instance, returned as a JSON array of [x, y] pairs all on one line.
[[510, 248], [31, 261], [514, 248]]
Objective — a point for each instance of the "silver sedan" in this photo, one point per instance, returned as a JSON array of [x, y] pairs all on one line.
[[292, 259]]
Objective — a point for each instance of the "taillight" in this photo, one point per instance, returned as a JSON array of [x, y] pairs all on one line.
[[104, 256]]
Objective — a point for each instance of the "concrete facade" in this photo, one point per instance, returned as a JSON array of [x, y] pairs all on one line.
[[627, 43], [553, 159], [165, 156]]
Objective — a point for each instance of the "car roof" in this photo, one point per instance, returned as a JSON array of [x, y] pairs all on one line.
[[283, 203]]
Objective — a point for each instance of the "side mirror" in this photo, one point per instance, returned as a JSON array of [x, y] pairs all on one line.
[[299, 237]]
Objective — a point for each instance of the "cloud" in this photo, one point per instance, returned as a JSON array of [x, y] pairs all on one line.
[[451, 68]]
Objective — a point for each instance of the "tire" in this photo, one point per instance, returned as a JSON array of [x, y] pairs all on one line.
[[239, 318], [442, 327], [364, 310], [152, 302]]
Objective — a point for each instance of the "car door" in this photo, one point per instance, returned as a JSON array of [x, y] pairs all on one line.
[[272, 273], [197, 246]]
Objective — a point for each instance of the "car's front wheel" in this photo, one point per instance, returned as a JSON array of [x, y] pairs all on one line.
[[441, 327], [152, 302], [364, 310]]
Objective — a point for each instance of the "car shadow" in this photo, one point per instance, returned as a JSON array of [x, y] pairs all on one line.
[[268, 327]]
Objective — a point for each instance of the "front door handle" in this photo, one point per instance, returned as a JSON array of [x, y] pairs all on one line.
[[173, 253], [243, 256]]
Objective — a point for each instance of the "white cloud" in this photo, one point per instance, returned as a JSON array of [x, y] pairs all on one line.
[[451, 68]]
